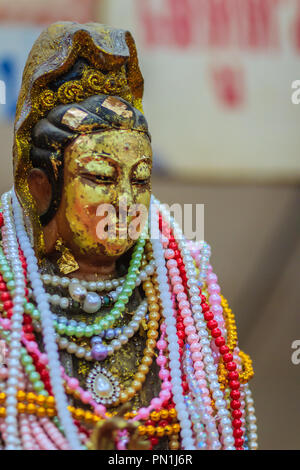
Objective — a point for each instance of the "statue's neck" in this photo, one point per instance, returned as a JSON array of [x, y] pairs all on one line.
[[89, 270], [95, 271]]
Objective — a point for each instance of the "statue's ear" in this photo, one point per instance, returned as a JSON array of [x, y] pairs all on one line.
[[40, 189]]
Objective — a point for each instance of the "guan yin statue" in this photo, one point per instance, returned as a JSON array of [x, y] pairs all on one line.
[[112, 335]]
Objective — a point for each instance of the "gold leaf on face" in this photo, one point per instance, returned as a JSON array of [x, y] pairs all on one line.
[[117, 106], [99, 170], [73, 118]]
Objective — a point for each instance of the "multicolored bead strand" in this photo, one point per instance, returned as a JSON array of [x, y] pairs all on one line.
[[193, 289], [10, 244], [48, 330], [168, 312]]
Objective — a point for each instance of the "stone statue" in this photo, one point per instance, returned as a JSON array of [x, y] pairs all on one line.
[[122, 339]]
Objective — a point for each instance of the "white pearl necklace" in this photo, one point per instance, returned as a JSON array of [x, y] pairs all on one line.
[[251, 419], [97, 286], [91, 301]]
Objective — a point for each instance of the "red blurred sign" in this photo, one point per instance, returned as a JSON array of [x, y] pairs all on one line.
[[246, 24], [41, 12], [219, 75], [229, 84], [219, 25]]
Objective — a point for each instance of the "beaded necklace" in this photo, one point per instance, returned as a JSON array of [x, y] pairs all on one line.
[[197, 337]]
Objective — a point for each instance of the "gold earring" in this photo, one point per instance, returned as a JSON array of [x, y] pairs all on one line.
[[67, 263]]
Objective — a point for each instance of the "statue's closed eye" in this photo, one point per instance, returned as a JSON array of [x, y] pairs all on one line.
[[99, 171], [97, 178], [142, 173], [141, 181]]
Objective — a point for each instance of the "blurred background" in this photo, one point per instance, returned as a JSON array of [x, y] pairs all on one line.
[[218, 86]]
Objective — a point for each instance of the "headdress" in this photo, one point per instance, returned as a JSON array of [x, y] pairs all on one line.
[[109, 65]]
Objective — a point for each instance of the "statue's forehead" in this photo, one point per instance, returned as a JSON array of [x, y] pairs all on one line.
[[111, 143]]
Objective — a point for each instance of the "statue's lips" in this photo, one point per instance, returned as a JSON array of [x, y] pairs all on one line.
[[122, 233], [117, 232]]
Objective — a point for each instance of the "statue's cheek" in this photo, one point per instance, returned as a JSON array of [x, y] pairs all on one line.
[[143, 196]]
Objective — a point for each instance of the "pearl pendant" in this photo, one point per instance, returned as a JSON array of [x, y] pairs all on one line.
[[92, 302], [77, 292], [103, 386]]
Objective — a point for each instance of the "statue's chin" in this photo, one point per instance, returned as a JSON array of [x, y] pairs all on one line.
[[117, 247], [110, 248]]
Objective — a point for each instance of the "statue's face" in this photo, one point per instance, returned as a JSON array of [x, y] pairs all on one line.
[[111, 168]]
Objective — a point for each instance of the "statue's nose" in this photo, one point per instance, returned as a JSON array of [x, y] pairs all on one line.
[[126, 198]]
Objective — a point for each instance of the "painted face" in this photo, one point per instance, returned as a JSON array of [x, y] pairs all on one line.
[[103, 174]]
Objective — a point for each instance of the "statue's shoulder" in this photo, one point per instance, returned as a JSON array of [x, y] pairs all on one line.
[[1, 221]]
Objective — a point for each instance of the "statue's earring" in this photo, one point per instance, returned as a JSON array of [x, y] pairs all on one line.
[[67, 263]]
